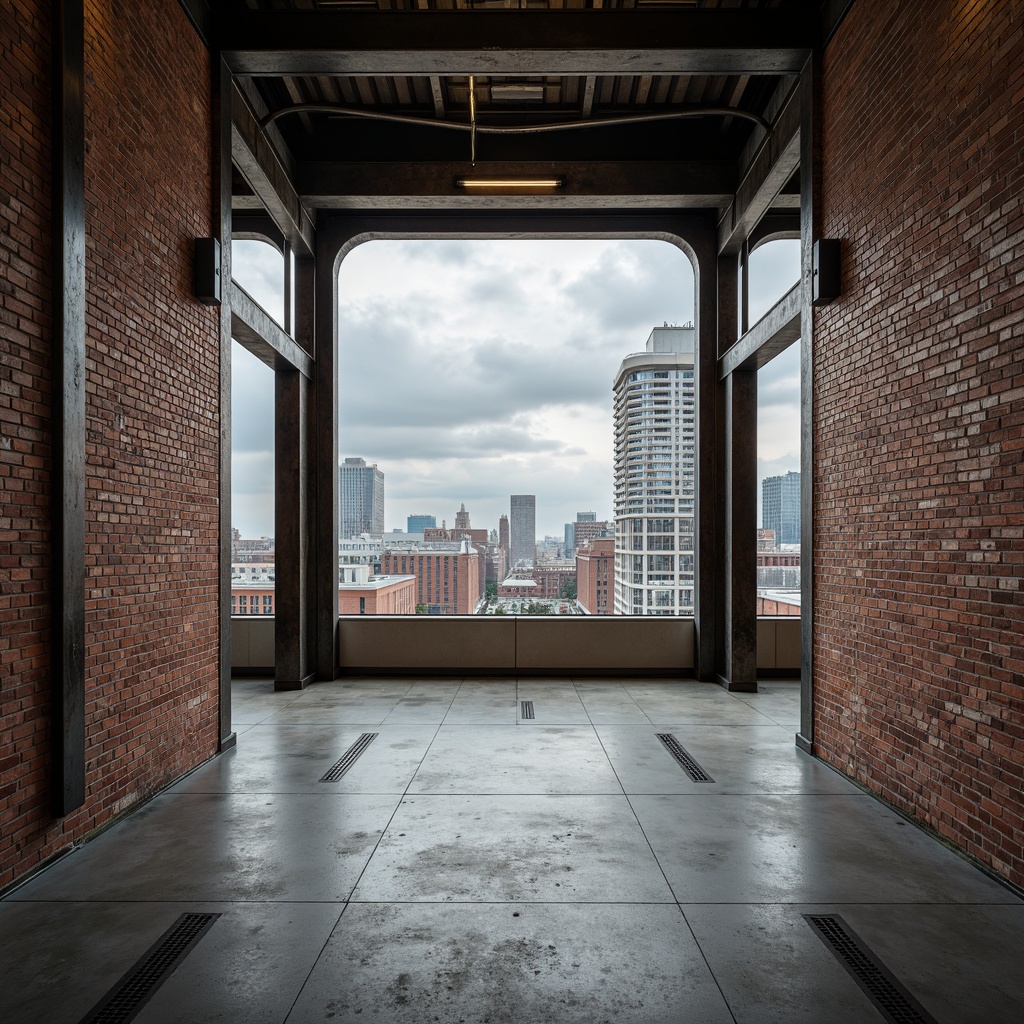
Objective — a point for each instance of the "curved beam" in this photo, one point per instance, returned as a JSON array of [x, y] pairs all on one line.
[[531, 129]]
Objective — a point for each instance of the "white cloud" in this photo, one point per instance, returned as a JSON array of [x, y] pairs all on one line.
[[472, 370]]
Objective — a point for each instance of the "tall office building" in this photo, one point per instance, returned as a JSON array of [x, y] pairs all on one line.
[[654, 484], [419, 523], [522, 529], [361, 507], [573, 534], [780, 507]]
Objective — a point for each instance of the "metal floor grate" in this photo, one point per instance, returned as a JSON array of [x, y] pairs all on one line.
[[154, 967], [685, 761], [349, 758], [526, 709], [894, 1002]]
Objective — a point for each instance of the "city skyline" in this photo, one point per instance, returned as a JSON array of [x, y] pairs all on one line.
[[474, 370]]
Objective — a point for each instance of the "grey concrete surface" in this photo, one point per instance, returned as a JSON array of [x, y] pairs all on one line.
[[474, 867]]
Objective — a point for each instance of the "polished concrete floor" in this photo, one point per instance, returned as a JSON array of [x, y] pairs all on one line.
[[473, 866]]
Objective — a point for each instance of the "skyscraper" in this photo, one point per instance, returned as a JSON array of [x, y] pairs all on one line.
[[780, 507], [654, 483], [361, 499], [418, 523], [522, 528]]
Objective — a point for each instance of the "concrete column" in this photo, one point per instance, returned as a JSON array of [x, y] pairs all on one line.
[[740, 578]]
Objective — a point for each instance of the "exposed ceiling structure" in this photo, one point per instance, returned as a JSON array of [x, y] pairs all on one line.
[[569, 104]]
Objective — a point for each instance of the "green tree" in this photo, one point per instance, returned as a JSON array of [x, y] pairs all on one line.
[[421, 609], [491, 590], [568, 590]]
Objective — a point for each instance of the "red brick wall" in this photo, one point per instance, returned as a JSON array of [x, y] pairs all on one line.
[[152, 422], [919, 419], [24, 420]]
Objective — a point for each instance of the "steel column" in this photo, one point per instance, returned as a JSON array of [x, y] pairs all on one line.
[[325, 450], [707, 606], [291, 517], [740, 398], [810, 220], [68, 644], [222, 90]]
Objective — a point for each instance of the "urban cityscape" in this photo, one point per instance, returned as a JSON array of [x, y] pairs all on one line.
[[638, 561]]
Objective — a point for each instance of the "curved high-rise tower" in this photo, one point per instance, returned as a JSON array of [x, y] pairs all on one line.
[[655, 429]]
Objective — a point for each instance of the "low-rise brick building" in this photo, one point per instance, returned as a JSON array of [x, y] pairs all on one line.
[[595, 577]]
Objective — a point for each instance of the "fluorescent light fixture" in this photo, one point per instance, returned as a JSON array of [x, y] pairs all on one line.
[[510, 182], [512, 93]]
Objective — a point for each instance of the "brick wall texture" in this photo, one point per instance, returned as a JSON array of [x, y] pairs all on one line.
[[919, 419], [152, 380]]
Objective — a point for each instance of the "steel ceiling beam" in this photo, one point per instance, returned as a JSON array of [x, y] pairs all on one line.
[[503, 42], [762, 182], [695, 184], [254, 329], [257, 162], [772, 334]]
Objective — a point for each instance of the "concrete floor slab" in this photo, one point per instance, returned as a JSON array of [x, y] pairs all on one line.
[[740, 758], [959, 962], [60, 959], [292, 758], [511, 964], [440, 877], [582, 849], [802, 849], [260, 847], [963, 963], [366, 712], [694, 703], [510, 759]]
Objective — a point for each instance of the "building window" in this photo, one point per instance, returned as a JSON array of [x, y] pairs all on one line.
[[362, 606], [243, 605]]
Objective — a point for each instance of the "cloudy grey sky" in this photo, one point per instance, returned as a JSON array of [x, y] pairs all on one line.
[[472, 370]]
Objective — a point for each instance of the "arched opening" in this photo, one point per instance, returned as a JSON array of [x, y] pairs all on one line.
[[471, 370]]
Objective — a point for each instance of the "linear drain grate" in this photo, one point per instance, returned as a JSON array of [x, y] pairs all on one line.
[[685, 761], [894, 1002], [349, 758], [526, 709], [151, 970]]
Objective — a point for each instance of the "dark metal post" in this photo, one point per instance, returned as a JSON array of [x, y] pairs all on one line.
[[810, 198], [291, 485], [325, 417], [741, 530], [68, 712], [706, 561], [222, 89]]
